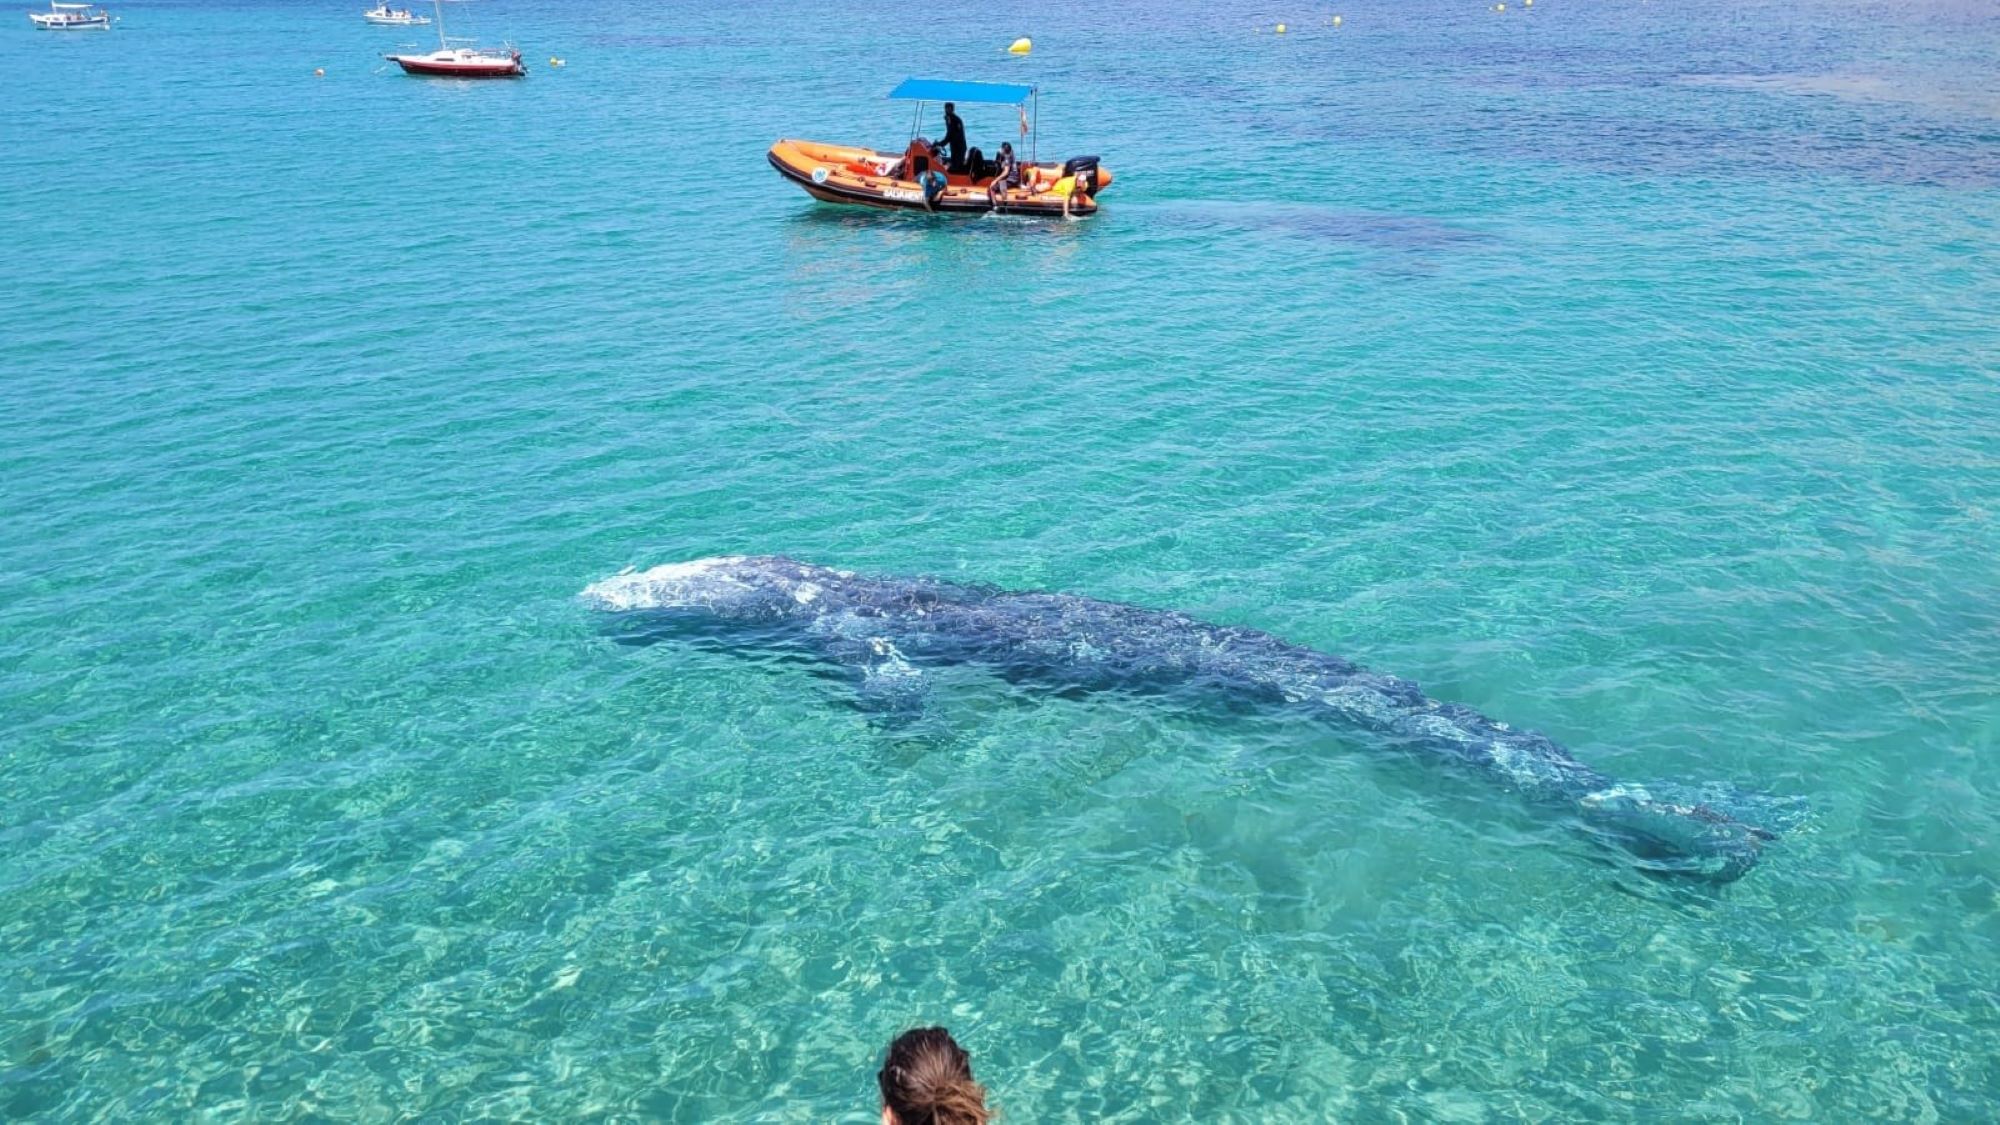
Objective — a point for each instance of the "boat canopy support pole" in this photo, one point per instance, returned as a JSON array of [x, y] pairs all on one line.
[[916, 123], [1035, 122]]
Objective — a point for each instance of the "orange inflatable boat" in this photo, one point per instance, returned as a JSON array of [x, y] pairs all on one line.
[[919, 178]]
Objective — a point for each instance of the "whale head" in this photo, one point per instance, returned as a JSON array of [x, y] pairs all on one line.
[[728, 590], [727, 586], [1675, 836]]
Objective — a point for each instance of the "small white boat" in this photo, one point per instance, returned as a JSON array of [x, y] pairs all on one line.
[[72, 17], [394, 17]]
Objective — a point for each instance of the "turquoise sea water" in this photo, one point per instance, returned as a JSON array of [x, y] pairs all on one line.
[[1626, 370]]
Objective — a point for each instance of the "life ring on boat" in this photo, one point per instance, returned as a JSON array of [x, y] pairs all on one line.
[[819, 175]]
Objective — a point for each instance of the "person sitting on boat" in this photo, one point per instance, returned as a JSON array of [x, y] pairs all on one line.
[[1069, 186], [954, 139], [1006, 170]]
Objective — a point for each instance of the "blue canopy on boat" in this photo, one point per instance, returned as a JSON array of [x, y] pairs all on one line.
[[940, 90]]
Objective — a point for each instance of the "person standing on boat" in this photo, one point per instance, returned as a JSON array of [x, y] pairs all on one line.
[[954, 140]]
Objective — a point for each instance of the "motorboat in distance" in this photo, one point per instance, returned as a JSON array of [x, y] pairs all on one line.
[[461, 61], [919, 179], [394, 17], [72, 17]]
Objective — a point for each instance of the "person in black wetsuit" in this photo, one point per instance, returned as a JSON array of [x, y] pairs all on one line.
[[954, 140]]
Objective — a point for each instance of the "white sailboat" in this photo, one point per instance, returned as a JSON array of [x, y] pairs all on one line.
[[461, 61]]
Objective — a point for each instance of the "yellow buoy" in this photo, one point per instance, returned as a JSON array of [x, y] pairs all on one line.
[[1021, 46], [1336, 21], [1281, 29], [1499, 7], [554, 61]]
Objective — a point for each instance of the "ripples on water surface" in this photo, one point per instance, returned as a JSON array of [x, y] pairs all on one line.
[[1624, 370]]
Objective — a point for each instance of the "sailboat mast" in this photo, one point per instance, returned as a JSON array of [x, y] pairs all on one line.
[[438, 7]]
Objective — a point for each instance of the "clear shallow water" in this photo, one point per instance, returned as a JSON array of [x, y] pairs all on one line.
[[1623, 370]]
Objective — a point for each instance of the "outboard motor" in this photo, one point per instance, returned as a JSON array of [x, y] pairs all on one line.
[[1084, 168]]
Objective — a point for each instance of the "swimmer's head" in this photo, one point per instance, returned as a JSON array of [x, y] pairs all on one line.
[[927, 1080]]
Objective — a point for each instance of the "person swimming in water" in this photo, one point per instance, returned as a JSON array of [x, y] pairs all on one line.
[[926, 1079]]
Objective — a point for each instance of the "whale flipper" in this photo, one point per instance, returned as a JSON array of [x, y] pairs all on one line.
[[888, 686]]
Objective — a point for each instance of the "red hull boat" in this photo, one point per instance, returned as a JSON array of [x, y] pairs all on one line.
[[461, 63]]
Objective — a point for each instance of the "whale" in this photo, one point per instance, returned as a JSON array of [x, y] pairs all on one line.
[[883, 633]]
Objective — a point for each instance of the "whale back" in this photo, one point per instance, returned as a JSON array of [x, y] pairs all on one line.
[[883, 632]]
